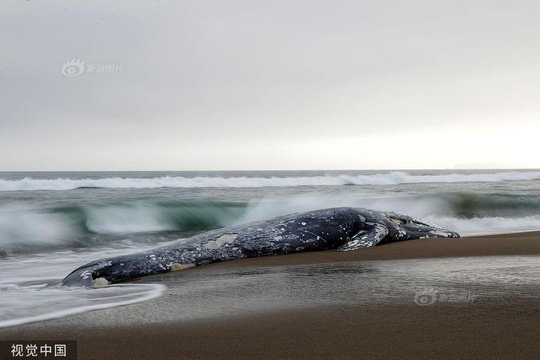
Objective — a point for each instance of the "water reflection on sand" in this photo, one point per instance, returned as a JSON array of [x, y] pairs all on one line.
[[216, 291]]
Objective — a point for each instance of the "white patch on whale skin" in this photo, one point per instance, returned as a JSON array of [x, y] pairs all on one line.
[[438, 233], [180, 267], [219, 241], [99, 282]]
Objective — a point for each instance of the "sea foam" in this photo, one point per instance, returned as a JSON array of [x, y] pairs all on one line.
[[28, 291], [391, 178], [26, 304]]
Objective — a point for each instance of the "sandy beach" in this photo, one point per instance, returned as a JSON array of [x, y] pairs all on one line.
[[487, 307]]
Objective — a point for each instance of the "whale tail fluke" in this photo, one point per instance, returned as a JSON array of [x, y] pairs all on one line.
[[78, 278]]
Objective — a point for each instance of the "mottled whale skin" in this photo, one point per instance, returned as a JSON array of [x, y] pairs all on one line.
[[343, 229]]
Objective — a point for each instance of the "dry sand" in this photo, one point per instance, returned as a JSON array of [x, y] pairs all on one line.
[[497, 328]]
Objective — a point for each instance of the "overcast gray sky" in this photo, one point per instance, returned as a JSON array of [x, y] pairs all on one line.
[[193, 85]]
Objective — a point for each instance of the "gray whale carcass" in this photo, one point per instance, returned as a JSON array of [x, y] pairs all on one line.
[[343, 229]]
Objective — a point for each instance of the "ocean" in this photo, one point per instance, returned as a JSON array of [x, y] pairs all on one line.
[[53, 222]]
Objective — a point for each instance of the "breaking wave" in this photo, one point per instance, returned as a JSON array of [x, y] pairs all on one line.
[[391, 178], [91, 225]]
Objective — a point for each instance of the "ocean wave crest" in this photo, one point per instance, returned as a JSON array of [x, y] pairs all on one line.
[[90, 225], [93, 225], [391, 178]]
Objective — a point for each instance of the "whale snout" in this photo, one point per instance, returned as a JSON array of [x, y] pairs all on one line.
[[421, 231], [453, 234], [412, 228]]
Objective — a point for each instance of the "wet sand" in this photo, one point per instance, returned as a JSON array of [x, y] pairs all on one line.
[[323, 306]]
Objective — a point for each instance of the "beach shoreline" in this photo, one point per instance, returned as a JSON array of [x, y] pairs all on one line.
[[486, 328]]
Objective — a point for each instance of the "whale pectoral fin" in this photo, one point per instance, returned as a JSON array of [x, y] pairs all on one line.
[[365, 238]]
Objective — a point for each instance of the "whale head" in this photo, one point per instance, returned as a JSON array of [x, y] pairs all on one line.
[[405, 227]]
